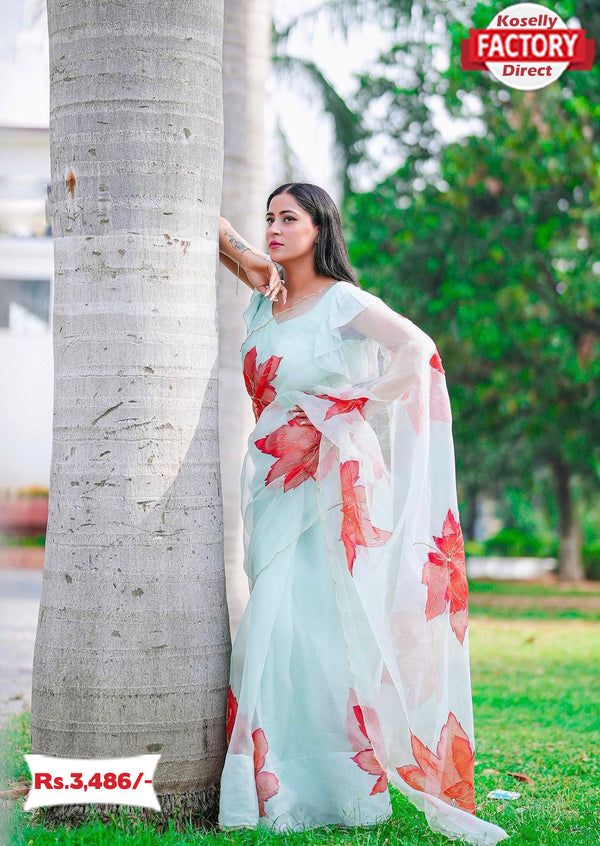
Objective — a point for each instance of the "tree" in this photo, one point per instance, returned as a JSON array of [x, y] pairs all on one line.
[[348, 129], [489, 242], [353, 129], [245, 68], [133, 644]]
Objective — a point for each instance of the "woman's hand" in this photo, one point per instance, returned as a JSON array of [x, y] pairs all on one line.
[[263, 274]]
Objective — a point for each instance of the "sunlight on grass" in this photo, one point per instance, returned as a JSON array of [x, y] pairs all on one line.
[[535, 697]]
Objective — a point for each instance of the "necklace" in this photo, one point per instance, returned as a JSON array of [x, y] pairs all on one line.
[[312, 294]]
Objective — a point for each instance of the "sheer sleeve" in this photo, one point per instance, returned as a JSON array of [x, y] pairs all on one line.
[[391, 363], [408, 348]]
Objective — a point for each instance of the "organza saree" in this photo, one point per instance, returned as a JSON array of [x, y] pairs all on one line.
[[350, 667]]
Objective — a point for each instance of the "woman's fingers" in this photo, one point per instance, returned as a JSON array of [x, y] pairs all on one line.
[[275, 286], [280, 289]]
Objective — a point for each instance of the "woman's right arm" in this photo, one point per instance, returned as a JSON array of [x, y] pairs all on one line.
[[256, 269], [231, 248]]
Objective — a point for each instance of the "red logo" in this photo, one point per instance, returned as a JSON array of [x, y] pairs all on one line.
[[527, 46]]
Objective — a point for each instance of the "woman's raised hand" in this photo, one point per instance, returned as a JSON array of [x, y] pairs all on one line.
[[263, 274]]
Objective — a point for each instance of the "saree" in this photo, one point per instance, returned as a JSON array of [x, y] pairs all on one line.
[[350, 667]]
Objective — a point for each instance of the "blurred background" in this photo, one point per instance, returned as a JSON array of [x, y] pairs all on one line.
[[468, 206]]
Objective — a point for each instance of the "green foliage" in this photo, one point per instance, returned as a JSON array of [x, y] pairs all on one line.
[[22, 540], [474, 548], [514, 543], [591, 561], [488, 243]]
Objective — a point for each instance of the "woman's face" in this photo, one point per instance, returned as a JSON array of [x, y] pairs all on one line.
[[291, 227]]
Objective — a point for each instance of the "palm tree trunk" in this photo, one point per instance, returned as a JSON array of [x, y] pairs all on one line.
[[570, 566], [246, 58], [132, 648]]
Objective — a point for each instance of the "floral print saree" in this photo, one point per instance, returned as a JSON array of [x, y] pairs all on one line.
[[350, 667]]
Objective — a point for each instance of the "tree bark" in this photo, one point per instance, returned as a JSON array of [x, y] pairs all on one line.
[[570, 565], [469, 514], [246, 59], [133, 645]]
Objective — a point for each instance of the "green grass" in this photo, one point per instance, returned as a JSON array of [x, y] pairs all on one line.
[[521, 600], [536, 711], [515, 588], [535, 697]]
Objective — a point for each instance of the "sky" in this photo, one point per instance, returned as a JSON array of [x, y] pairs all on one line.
[[309, 131], [25, 101], [23, 64], [341, 59]]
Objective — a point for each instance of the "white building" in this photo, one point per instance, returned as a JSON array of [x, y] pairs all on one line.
[[26, 250]]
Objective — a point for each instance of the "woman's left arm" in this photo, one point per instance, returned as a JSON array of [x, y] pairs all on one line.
[[410, 346], [410, 365]]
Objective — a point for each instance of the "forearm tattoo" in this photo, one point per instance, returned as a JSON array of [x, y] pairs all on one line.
[[238, 245]]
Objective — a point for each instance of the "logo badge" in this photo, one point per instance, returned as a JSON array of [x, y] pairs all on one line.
[[527, 46]]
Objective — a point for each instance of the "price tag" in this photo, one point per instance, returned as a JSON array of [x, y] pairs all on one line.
[[74, 781]]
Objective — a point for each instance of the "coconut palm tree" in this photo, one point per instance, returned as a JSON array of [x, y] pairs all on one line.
[[348, 128], [246, 58], [133, 643], [410, 28]]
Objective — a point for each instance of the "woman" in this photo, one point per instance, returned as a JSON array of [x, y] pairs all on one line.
[[350, 668]]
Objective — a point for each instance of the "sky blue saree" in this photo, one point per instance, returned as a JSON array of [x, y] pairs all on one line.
[[350, 668]]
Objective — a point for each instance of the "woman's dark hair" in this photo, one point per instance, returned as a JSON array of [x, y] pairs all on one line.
[[331, 252]]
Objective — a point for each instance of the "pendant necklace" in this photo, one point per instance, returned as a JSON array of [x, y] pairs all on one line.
[[312, 294]]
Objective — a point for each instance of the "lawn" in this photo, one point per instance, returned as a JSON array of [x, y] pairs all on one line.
[[535, 651]]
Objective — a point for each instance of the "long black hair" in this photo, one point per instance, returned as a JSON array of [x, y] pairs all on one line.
[[331, 252]]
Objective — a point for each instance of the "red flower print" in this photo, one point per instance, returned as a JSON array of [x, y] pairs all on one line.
[[413, 399], [375, 460], [296, 445], [445, 575], [360, 741], [257, 380], [415, 655], [242, 744], [344, 406], [367, 761], [232, 707], [436, 361], [267, 784], [439, 401], [329, 454], [357, 529], [448, 773]]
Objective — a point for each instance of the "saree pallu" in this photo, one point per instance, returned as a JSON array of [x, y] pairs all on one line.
[[350, 668]]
